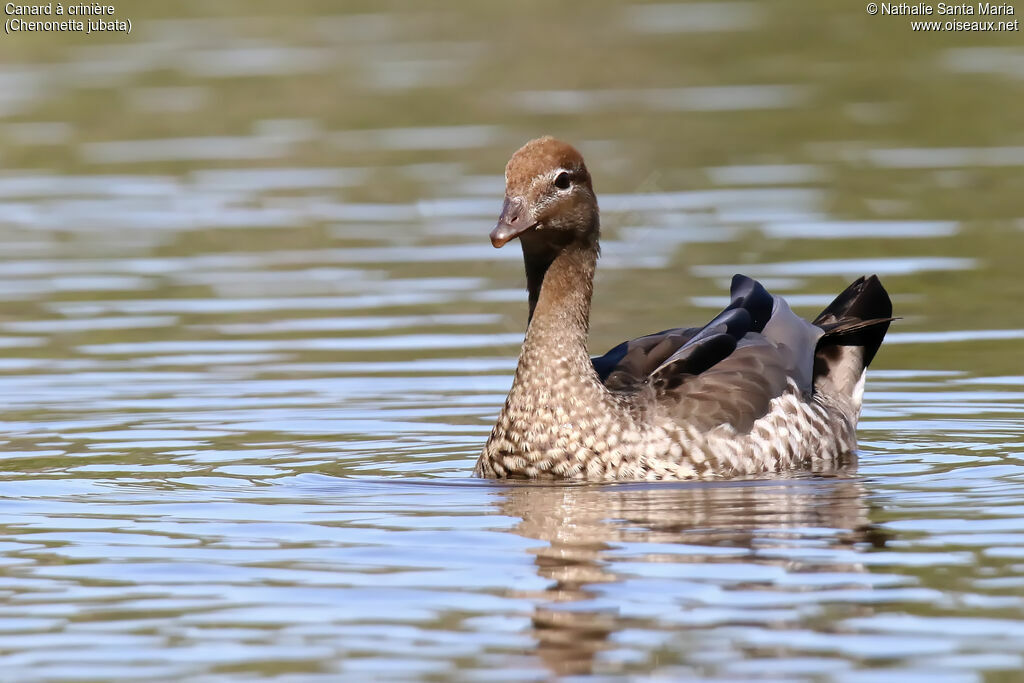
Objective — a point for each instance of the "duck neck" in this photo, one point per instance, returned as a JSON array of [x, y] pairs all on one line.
[[538, 260], [561, 285]]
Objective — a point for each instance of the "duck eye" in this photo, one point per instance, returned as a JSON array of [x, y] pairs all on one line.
[[562, 181]]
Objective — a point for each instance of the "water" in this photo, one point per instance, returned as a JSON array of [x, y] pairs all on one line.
[[252, 338]]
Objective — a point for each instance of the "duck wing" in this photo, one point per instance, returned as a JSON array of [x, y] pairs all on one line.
[[736, 390], [687, 350], [726, 372], [630, 363]]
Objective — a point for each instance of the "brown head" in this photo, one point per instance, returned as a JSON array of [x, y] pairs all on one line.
[[548, 197]]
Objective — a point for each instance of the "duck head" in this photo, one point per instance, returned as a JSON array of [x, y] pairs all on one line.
[[549, 199]]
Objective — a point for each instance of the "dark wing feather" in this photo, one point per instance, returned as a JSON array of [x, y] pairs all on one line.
[[694, 358], [629, 363], [749, 294], [726, 372]]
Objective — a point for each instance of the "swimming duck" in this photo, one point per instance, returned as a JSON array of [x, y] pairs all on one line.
[[757, 389]]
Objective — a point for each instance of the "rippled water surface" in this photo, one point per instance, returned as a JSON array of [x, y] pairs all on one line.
[[253, 336]]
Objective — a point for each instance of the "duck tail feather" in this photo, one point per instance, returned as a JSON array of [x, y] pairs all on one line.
[[853, 325]]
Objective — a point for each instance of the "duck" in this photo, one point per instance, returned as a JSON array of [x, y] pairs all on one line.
[[757, 390]]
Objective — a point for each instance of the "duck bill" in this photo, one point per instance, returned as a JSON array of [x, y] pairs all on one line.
[[510, 223], [504, 233]]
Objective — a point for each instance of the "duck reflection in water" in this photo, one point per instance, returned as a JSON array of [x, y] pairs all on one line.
[[601, 535]]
